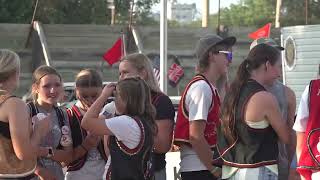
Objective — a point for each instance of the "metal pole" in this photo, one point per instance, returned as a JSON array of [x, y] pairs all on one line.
[[306, 10], [218, 29], [31, 23], [205, 13], [163, 46], [113, 15], [278, 10], [111, 6]]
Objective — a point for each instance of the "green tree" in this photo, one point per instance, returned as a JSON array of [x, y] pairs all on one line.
[[15, 11], [249, 13], [72, 11], [260, 12]]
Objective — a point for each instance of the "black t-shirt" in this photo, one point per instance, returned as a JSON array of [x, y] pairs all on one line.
[[165, 110]]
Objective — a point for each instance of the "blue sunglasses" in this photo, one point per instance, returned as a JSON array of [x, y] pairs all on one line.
[[229, 55]]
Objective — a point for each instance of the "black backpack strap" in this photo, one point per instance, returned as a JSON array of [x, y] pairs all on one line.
[[33, 109], [60, 116]]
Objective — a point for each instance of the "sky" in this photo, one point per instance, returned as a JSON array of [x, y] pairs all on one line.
[[213, 4]]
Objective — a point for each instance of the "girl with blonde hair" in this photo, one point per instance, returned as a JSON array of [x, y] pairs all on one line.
[[138, 64], [18, 142]]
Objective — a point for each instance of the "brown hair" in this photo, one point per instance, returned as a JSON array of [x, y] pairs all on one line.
[[136, 93], [142, 62], [258, 56], [39, 73], [203, 62], [88, 78]]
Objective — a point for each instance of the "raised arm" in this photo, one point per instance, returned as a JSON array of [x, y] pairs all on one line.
[[291, 98], [91, 121]]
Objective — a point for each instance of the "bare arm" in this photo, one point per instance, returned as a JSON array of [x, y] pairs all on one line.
[[263, 105], [62, 155], [199, 143], [291, 98], [163, 139], [91, 121], [24, 141], [105, 144], [272, 112], [300, 137], [44, 174]]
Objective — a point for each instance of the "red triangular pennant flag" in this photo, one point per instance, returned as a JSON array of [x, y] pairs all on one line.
[[114, 54], [263, 32]]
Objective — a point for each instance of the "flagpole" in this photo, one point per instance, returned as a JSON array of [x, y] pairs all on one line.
[[163, 46], [269, 30], [123, 45]]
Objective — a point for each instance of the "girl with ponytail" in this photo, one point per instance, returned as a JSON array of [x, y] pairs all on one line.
[[251, 120]]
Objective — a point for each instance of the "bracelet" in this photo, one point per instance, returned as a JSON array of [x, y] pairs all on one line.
[[84, 147]]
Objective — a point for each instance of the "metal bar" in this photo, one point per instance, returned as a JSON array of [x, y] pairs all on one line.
[[163, 45], [43, 41]]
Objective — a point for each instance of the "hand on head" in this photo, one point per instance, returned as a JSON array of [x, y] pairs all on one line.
[[108, 90]]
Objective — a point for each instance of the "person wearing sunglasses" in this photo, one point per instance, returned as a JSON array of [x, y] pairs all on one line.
[[198, 111]]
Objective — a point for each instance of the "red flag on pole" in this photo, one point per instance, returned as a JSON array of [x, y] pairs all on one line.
[[263, 32], [114, 54]]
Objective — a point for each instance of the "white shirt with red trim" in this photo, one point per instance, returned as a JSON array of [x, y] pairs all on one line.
[[198, 102]]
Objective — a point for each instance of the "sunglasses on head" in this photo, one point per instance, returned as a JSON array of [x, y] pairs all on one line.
[[228, 54]]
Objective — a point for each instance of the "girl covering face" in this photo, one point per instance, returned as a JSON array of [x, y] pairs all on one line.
[[130, 134], [88, 155], [88, 87]]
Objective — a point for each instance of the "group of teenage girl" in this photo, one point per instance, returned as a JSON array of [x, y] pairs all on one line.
[[229, 135], [119, 141]]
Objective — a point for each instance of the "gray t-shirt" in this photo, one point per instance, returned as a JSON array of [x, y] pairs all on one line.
[[53, 140], [278, 90]]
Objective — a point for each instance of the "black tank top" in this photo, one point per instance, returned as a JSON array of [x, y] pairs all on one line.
[[4, 129], [253, 147], [133, 164]]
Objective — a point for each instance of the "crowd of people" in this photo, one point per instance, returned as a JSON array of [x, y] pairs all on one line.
[[245, 130]]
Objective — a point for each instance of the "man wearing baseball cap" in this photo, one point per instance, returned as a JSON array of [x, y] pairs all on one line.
[[287, 102], [199, 106]]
